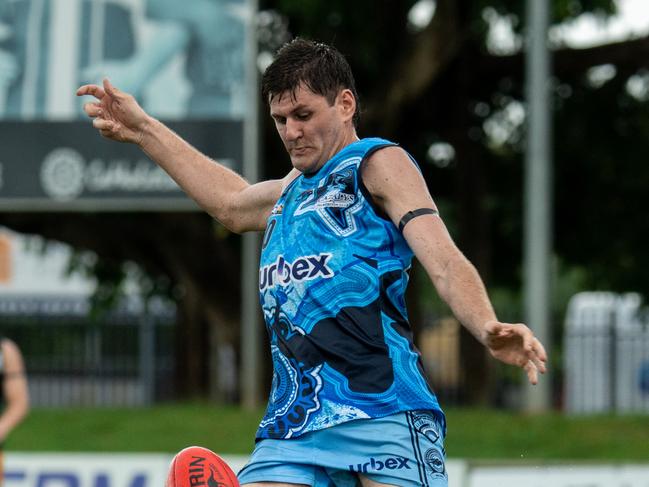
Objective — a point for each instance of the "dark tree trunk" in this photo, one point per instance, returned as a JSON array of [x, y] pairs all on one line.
[[473, 220]]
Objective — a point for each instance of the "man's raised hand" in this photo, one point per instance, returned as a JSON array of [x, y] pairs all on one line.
[[116, 115]]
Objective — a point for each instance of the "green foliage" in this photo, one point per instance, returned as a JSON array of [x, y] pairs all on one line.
[[601, 180], [360, 37], [473, 434], [561, 9], [498, 435], [167, 428]]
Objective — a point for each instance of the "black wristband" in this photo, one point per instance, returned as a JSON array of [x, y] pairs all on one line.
[[414, 214]]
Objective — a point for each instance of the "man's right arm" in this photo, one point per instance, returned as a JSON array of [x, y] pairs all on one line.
[[221, 192]]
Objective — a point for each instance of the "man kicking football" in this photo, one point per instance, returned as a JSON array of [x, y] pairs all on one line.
[[349, 403]]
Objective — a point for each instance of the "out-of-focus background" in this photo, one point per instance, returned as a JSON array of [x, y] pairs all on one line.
[[136, 313]]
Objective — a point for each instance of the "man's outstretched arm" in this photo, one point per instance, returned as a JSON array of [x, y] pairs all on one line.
[[221, 192], [398, 188]]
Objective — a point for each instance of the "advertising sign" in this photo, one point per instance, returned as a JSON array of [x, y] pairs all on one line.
[[92, 469], [70, 167], [561, 476], [185, 63], [120, 470]]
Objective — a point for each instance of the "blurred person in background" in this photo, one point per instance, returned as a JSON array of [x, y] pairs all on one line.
[[349, 402], [15, 396]]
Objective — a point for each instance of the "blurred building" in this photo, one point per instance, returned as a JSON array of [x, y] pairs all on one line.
[[181, 62]]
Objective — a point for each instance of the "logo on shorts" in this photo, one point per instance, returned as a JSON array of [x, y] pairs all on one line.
[[375, 465], [434, 461], [426, 424]]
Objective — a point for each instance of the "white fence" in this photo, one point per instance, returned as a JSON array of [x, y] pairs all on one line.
[[150, 470], [606, 354]]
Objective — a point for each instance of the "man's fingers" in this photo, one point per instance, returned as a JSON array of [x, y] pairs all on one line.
[[532, 372], [93, 90], [539, 349], [498, 330], [540, 365], [92, 109], [110, 89], [493, 327], [103, 125], [534, 350], [535, 360], [533, 346]]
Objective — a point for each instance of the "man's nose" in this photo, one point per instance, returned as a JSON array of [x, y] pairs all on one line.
[[293, 129]]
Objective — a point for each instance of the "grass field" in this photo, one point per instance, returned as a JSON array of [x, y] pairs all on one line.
[[473, 434]]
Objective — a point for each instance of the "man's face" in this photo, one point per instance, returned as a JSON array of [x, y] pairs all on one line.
[[311, 129]]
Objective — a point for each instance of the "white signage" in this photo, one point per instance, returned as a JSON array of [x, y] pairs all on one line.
[[561, 476], [150, 470], [92, 469], [65, 175]]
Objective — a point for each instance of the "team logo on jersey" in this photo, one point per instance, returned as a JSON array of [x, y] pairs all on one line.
[[335, 200], [305, 268], [336, 191]]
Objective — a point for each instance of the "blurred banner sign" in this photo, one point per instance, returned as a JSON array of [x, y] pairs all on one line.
[[560, 476], [150, 470], [93, 469], [67, 166], [184, 65], [122, 469]]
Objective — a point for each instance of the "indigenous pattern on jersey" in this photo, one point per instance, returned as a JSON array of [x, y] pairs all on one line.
[[332, 279]]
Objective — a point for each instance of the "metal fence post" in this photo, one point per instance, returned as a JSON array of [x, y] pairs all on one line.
[[147, 356]]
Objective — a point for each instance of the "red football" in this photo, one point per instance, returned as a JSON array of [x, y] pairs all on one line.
[[196, 466]]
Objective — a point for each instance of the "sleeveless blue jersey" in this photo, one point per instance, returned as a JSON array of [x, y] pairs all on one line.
[[332, 279]]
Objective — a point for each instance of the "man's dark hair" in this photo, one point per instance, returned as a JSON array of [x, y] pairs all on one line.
[[322, 68]]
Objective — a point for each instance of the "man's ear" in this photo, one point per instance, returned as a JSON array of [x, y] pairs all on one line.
[[347, 103]]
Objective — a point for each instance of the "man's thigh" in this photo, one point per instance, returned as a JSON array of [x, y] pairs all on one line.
[[365, 482]]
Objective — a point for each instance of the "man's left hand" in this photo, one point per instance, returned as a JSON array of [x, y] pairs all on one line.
[[515, 344]]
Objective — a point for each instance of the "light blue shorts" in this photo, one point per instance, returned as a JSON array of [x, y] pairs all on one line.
[[405, 449]]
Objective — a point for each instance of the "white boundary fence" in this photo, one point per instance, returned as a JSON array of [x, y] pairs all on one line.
[[606, 354], [150, 470]]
